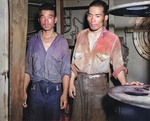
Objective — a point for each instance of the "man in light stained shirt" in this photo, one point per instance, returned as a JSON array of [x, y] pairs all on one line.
[[96, 48]]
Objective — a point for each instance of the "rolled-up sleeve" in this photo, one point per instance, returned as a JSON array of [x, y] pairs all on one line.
[[65, 69], [117, 58]]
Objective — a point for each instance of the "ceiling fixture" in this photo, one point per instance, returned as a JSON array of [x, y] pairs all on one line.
[[137, 9]]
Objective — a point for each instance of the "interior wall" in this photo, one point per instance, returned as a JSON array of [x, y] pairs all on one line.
[[74, 17], [138, 67], [76, 3]]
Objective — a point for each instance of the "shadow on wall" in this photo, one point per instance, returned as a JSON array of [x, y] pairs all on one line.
[[86, 25]]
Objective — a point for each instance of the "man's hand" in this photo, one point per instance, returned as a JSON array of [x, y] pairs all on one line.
[[122, 79], [134, 83], [25, 100], [63, 101], [72, 91], [26, 83]]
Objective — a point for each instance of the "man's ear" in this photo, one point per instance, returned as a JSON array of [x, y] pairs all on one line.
[[106, 18], [38, 20], [55, 20]]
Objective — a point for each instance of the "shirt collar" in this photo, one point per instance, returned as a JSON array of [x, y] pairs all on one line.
[[104, 30], [39, 33]]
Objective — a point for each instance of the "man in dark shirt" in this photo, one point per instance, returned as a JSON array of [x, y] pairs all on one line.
[[48, 66]]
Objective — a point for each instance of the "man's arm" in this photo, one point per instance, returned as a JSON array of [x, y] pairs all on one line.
[[63, 99], [26, 83], [122, 79], [72, 89]]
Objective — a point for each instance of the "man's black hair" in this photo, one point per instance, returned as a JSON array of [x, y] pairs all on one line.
[[100, 3], [47, 6]]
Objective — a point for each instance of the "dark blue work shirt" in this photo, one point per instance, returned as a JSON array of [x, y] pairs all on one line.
[[50, 65]]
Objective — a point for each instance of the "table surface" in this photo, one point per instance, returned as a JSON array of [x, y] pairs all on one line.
[[137, 95]]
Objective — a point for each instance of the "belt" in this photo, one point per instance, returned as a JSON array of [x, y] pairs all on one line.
[[94, 75]]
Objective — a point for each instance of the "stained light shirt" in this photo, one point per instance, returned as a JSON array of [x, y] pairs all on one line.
[[50, 65], [106, 50]]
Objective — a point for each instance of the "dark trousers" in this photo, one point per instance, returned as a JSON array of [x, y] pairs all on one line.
[[44, 102]]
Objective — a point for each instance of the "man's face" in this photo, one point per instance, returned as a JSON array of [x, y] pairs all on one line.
[[47, 19], [96, 17]]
